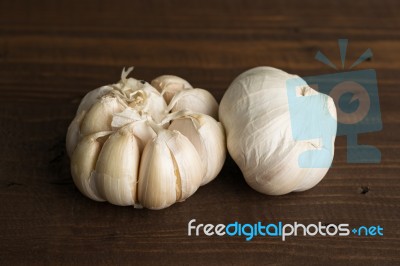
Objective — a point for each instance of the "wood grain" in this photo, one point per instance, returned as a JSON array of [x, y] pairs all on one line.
[[53, 52]]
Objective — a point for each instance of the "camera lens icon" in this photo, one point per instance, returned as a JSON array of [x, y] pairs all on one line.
[[355, 94], [346, 95]]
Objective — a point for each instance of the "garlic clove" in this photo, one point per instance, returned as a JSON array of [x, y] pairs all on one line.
[[158, 185], [73, 133], [149, 88], [143, 133], [169, 85], [99, 116], [196, 100], [208, 137], [117, 168], [170, 170], [83, 162], [187, 161], [92, 97]]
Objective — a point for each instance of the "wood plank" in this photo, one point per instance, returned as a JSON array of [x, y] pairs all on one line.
[[53, 52]]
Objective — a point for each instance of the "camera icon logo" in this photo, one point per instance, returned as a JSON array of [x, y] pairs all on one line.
[[355, 95]]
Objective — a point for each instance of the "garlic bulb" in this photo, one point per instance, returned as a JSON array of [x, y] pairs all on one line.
[[271, 154], [128, 149]]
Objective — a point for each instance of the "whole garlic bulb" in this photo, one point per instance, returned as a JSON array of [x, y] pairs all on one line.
[[128, 149], [256, 115]]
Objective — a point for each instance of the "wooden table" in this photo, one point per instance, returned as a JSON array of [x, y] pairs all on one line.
[[53, 52]]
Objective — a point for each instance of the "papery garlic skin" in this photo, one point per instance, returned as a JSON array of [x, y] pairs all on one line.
[[196, 100], [117, 168], [156, 106], [92, 97], [208, 137], [99, 116], [169, 85], [96, 119], [74, 132], [83, 162], [170, 171], [256, 117]]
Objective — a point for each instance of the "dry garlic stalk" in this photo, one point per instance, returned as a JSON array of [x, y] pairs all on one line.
[[128, 149]]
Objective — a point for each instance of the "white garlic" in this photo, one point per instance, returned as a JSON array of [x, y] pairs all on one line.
[[256, 116], [99, 116], [117, 167], [208, 136], [137, 123], [196, 100], [123, 152], [74, 133], [170, 171], [96, 119], [169, 85], [83, 162], [92, 97]]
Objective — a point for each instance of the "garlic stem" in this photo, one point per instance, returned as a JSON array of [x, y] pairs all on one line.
[[157, 128], [125, 74], [176, 115]]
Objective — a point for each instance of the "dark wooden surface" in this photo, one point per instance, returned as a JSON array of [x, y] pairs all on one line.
[[53, 52]]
